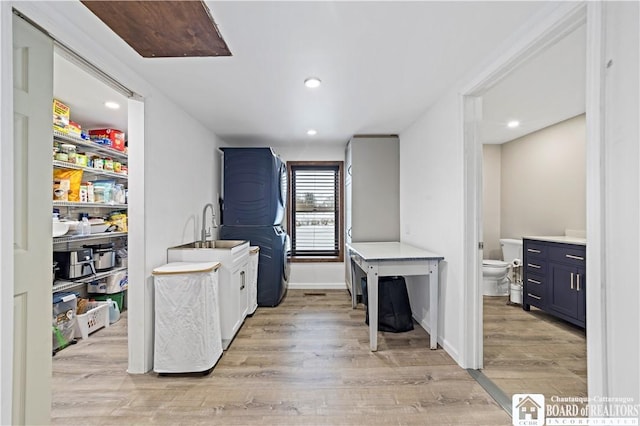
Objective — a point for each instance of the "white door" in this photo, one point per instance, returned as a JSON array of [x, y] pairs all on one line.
[[32, 103]]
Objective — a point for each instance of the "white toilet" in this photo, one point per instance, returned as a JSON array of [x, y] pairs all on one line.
[[494, 272]]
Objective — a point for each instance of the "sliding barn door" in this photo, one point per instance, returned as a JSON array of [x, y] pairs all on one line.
[[33, 91]]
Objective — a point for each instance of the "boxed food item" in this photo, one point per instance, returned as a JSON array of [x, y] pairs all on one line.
[[74, 129], [115, 136], [68, 180], [60, 116], [61, 189]]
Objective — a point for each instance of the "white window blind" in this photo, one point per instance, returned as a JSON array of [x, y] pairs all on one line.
[[315, 210]]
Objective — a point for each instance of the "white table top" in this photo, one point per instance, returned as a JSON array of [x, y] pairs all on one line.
[[391, 251]]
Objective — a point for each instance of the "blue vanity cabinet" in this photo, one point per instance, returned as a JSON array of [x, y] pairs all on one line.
[[555, 279], [535, 280]]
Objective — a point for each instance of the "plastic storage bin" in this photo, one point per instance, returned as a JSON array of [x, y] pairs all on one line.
[[96, 317], [64, 319], [116, 297], [187, 330]]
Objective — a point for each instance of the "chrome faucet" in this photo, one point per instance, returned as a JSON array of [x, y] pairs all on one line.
[[207, 233]]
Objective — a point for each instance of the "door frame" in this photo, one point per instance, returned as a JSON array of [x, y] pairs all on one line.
[[558, 24]]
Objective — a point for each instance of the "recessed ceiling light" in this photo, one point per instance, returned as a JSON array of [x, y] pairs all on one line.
[[312, 132], [513, 124], [312, 82], [112, 105]]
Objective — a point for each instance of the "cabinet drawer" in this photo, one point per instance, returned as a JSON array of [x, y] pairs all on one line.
[[537, 300], [568, 254], [535, 285], [535, 266], [535, 250]]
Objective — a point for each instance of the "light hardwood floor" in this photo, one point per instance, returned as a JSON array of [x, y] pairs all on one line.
[[304, 362], [533, 352]]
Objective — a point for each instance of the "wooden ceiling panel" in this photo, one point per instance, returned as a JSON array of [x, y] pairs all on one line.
[[163, 29]]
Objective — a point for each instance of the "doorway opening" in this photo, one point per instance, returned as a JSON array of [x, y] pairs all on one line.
[[557, 29]]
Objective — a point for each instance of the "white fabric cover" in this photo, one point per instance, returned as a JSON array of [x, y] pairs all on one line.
[[187, 322]]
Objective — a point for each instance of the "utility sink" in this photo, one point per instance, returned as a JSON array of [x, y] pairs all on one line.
[[232, 290], [211, 244]]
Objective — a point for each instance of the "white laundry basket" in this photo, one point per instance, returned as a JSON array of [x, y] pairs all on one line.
[[96, 317], [187, 318]]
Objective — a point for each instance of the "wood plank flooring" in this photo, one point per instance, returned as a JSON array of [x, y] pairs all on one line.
[[306, 361], [533, 352]]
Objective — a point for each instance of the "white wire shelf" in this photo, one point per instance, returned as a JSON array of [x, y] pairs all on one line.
[[65, 285], [98, 172], [85, 205], [89, 145], [99, 236]]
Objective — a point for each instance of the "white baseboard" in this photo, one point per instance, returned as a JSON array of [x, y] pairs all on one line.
[[452, 351], [317, 286]]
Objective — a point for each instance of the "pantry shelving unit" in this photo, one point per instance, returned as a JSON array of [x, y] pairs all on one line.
[[62, 285], [71, 207], [89, 146]]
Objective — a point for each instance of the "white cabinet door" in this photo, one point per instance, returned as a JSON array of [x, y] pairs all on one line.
[[32, 303], [229, 285], [243, 297], [234, 302]]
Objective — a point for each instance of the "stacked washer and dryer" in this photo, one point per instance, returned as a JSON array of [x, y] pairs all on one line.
[[252, 206]]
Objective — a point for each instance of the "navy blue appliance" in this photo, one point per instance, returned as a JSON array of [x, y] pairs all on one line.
[[254, 194], [254, 188]]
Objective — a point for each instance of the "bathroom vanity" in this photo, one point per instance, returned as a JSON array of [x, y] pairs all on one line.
[[555, 277]]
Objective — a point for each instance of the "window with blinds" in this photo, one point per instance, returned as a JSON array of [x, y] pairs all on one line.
[[315, 210]]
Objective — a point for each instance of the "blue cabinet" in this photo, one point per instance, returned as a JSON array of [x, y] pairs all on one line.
[[555, 279]]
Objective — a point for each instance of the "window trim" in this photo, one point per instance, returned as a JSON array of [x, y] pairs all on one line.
[[340, 203]]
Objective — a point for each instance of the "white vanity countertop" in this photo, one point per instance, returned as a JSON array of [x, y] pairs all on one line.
[[560, 239]]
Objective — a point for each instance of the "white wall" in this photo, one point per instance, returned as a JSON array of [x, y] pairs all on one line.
[[534, 185], [491, 172], [431, 205], [182, 175], [314, 275], [622, 198], [543, 182], [180, 166]]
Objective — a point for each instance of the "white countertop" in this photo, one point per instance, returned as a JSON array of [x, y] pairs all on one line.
[[391, 251], [560, 239]]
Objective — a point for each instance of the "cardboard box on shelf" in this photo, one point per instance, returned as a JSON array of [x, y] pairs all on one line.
[[60, 116], [74, 129], [115, 136]]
